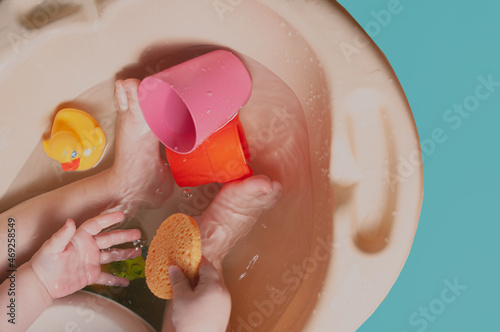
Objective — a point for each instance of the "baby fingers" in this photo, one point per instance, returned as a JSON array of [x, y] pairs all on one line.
[[97, 224], [111, 280], [58, 242], [114, 255], [109, 239]]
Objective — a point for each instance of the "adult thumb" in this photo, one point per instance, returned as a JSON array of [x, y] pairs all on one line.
[[181, 286]]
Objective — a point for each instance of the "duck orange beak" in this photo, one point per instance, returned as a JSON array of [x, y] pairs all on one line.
[[71, 165]]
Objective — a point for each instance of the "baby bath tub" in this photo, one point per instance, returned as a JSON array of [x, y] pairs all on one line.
[[327, 118]]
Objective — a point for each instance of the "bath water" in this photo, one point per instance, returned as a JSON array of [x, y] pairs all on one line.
[[256, 271]]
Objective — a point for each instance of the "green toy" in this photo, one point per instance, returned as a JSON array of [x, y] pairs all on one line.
[[130, 268]]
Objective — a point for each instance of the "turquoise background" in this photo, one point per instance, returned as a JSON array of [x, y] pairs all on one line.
[[438, 50]]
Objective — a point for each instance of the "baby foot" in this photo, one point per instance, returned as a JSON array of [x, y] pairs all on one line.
[[233, 213], [143, 177]]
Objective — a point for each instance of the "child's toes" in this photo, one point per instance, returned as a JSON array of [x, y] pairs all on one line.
[[263, 184], [121, 99], [132, 87], [277, 190], [257, 190], [252, 187]]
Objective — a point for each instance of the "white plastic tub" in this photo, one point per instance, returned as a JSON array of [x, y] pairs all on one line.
[[347, 151]]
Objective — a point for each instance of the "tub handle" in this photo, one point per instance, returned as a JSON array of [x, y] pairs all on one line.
[[23, 22], [361, 153], [29, 16]]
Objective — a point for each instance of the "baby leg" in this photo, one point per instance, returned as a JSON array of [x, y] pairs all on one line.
[[144, 178], [230, 217], [233, 213]]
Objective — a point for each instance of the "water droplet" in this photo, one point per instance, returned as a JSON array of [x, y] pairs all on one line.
[[271, 291], [159, 192], [187, 193], [210, 94], [252, 262], [138, 243], [208, 111], [264, 226], [176, 148]]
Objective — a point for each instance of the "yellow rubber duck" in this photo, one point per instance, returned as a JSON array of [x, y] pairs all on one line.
[[76, 140]]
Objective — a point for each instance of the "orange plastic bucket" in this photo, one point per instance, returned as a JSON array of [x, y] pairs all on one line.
[[221, 158]]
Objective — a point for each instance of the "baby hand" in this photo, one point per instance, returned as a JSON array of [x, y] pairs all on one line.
[[71, 259], [206, 307]]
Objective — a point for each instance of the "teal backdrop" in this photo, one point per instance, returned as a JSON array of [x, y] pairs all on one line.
[[446, 55]]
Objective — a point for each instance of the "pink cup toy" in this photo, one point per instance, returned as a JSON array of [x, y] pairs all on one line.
[[185, 104]]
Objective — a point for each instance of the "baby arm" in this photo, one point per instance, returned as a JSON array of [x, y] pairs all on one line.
[[40, 217], [205, 308], [70, 260]]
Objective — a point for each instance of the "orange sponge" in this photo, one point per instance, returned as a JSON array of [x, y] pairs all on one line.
[[177, 242]]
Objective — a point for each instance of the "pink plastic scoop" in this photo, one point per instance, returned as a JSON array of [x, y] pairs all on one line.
[[185, 104]]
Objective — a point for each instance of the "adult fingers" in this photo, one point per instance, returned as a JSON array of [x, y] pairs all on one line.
[[181, 286], [108, 239], [60, 239], [111, 280], [115, 255], [97, 224]]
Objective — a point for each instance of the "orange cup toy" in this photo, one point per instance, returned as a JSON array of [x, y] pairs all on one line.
[[222, 158]]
